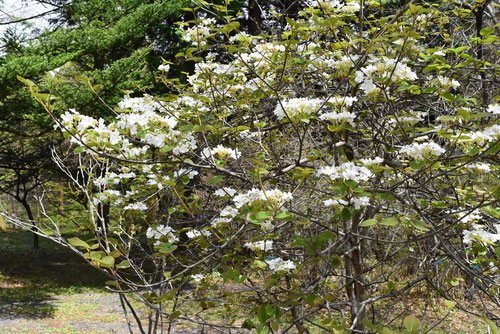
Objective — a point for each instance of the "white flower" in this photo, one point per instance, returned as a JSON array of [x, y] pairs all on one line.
[[156, 140], [164, 68], [446, 82], [136, 206], [478, 232], [339, 116], [229, 211], [346, 171], [278, 264], [350, 7], [189, 172], [185, 145], [487, 135], [468, 217], [221, 151], [267, 226], [481, 167], [334, 202], [161, 231], [424, 150], [343, 101], [369, 87], [226, 191], [275, 197], [374, 161], [197, 278], [218, 221], [296, 107], [194, 233], [144, 104], [359, 202], [494, 109], [263, 245]]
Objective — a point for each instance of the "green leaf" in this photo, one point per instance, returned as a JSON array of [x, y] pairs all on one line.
[[420, 225], [368, 222], [79, 149], [389, 221], [107, 262], [336, 262], [263, 215], [123, 265], [492, 326], [411, 323], [77, 242], [487, 31], [174, 315], [346, 214], [167, 248], [262, 314], [233, 275], [283, 215], [215, 180], [248, 324]]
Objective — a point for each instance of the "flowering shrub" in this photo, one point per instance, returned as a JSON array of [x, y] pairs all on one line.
[[319, 169]]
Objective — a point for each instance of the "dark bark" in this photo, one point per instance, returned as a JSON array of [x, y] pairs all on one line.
[[254, 18], [29, 212]]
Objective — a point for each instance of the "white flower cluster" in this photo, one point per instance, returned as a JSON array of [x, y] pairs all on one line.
[[275, 197], [74, 120], [446, 83], [335, 117], [221, 151], [356, 202], [489, 134], [196, 34], [298, 107], [412, 118], [191, 173], [479, 232], [113, 178], [140, 206], [160, 232], [141, 120], [107, 196], [194, 233], [383, 67], [480, 167], [374, 161], [164, 68], [343, 101], [347, 7], [346, 171], [469, 217], [197, 278], [278, 264], [340, 114], [420, 151], [262, 245], [494, 109], [226, 191], [144, 104]]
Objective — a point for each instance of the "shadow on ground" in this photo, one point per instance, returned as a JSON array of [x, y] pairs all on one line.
[[29, 281]]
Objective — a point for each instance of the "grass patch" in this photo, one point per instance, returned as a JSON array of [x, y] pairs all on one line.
[[29, 280]]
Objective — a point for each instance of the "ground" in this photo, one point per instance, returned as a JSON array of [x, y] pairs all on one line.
[[51, 292]]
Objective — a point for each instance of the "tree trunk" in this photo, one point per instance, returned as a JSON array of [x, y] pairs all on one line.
[[254, 18], [355, 286], [27, 207]]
